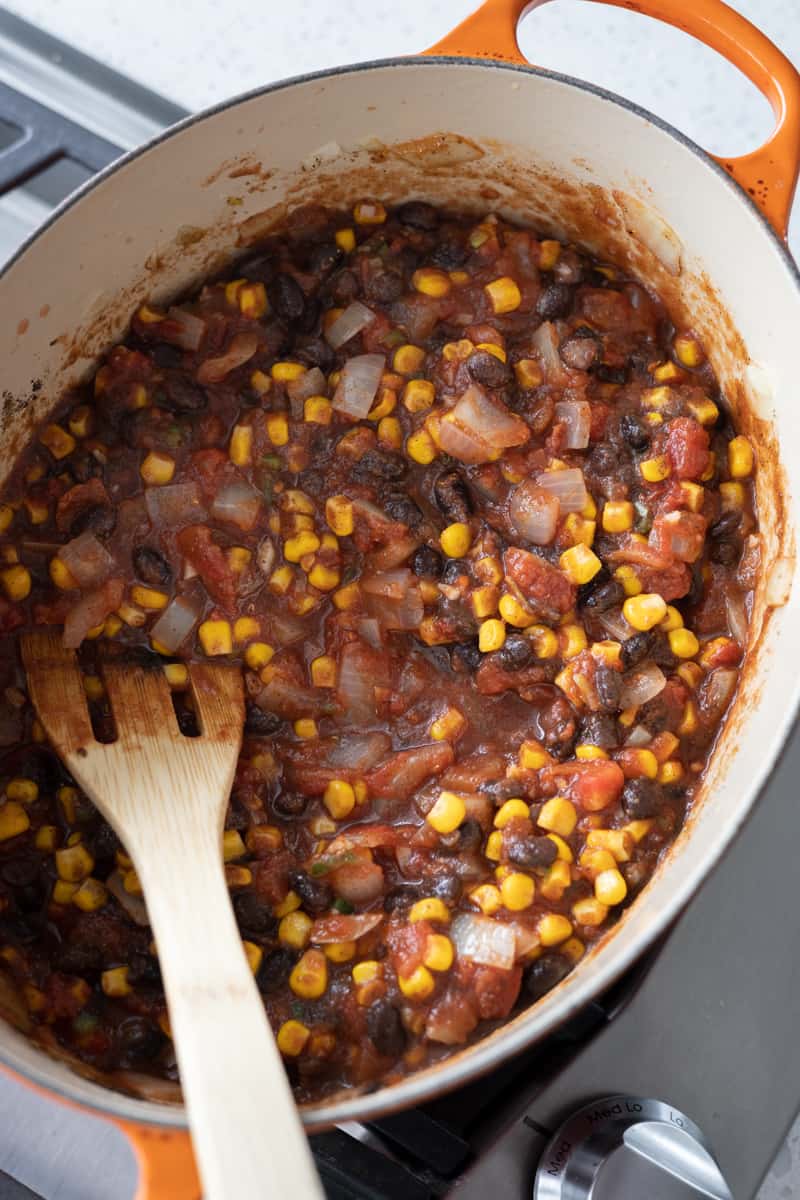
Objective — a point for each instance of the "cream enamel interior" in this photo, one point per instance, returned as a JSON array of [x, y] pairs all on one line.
[[541, 148]]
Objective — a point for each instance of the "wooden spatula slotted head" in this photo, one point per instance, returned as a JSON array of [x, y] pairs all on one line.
[[165, 796]]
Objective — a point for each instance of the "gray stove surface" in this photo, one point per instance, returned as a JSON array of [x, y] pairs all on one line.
[[712, 1029]]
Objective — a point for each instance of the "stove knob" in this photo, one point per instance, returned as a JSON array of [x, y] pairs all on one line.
[[624, 1148]]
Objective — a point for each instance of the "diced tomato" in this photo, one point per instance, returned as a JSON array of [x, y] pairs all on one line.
[[664, 711], [340, 927], [64, 995], [496, 991], [598, 420], [271, 877], [359, 882], [196, 545], [452, 1018], [492, 678], [727, 654], [11, 616], [372, 337], [679, 535], [687, 448], [210, 468], [629, 760], [597, 784], [542, 584], [670, 582], [78, 499], [402, 774], [407, 944]]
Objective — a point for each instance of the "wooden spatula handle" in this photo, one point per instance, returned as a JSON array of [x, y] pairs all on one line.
[[248, 1137]]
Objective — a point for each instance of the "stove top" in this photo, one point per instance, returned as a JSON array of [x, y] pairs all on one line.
[[706, 1024]]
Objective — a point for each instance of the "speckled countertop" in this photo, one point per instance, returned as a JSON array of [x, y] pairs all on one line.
[[199, 51]]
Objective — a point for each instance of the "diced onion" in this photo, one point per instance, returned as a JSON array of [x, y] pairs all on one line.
[[489, 419], [239, 503], [174, 504], [310, 383], [358, 384], [534, 512], [370, 630], [393, 554], [483, 940], [394, 597], [360, 883], [343, 928], [737, 618], [545, 345], [569, 488], [177, 621], [359, 751], [183, 329], [576, 416], [639, 736], [716, 691], [355, 687], [134, 905], [92, 609], [241, 349], [641, 684], [463, 444], [614, 623], [354, 318], [87, 560]]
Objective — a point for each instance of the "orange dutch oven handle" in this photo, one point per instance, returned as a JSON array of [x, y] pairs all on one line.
[[769, 174]]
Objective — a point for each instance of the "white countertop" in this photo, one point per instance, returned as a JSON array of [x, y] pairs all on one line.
[[200, 52]]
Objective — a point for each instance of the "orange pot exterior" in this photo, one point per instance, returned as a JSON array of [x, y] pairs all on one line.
[[769, 174], [167, 1168]]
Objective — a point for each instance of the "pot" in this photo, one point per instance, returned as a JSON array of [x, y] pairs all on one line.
[[473, 125]]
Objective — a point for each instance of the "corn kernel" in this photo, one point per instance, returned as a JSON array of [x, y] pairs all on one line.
[[510, 810], [73, 863], [556, 880], [61, 575], [705, 411], [421, 447], [504, 294], [258, 655], [23, 790], [484, 601], [654, 470], [617, 516], [491, 635], [456, 539], [545, 641], [732, 496], [587, 753], [711, 468], [644, 611], [514, 613], [253, 300], [448, 727], [408, 359], [13, 821], [366, 971], [339, 952], [494, 846], [683, 643], [390, 433], [618, 843], [46, 838], [431, 282], [157, 468], [418, 395], [528, 373], [532, 756], [6, 517], [553, 929], [665, 372], [347, 597], [740, 458], [572, 640], [562, 848], [290, 903], [494, 349], [688, 350], [429, 909], [559, 816], [215, 637], [90, 895], [610, 888], [323, 671], [438, 954], [487, 897], [579, 564], [16, 582], [447, 813], [670, 772], [149, 599], [418, 985], [277, 428], [286, 372], [57, 440], [369, 212], [254, 955], [292, 1038], [63, 891], [232, 845], [114, 982], [345, 239], [609, 652], [294, 930], [295, 548], [656, 397], [306, 728], [38, 512], [549, 254], [517, 891], [339, 799], [589, 911], [339, 515]]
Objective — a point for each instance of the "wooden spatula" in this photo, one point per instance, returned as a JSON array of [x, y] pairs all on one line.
[[166, 795]]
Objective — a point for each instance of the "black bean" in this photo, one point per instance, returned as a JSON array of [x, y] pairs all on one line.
[[182, 394], [427, 561], [100, 520], [253, 914], [449, 887], [641, 799], [465, 656], [608, 687], [608, 594], [144, 969], [470, 834], [697, 587], [609, 374], [532, 851], [454, 569], [316, 894], [418, 215], [343, 287], [634, 431], [324, 257], [259, 268], [402, 508], [259, 722], [580, 352], [316, 352], [19, 928], [307, 322], [275, 970], [103, 842], [637, 648], [605, 459], [83, 466], [290, 804], [400, 898], [517, 652], [726, 525], [450, 253], [500, 790], [286, 297], [598, 729], [662, 654], [384, 287], [385, 466], [187, 722], [138, 1039], [486, 368], [151, 566], [555, 300], [544, 974], [164, 355], [725, 552], [76, 958], [20, 871], [385, 1029], [569, 267], [452, 497]]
